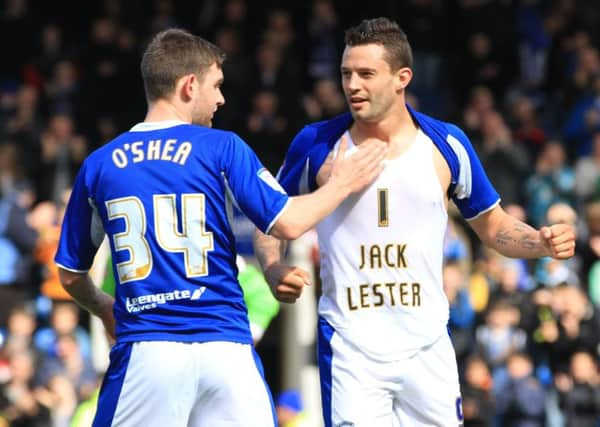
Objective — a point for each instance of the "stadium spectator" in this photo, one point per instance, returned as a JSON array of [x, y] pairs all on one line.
[[579, 391], [520, 400], [476, 390]]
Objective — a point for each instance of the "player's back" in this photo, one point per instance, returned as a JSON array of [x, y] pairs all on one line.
[[163, 198]]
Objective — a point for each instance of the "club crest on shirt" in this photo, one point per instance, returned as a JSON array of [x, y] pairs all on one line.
[[270, 180]]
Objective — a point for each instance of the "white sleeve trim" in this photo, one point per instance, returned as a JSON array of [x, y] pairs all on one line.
[[496, 203], [464, 186], [230, 203], [72, 270], [287, 203], [229, 192], [303, 186]]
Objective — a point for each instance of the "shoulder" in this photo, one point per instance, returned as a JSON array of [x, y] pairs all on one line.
[[317, 137], [331, 125], [457, 134], [444, 129], [220, 139], [323, 131], [308, 151], [450, 139], [200, 133]]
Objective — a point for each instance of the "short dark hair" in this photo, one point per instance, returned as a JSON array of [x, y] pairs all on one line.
[[172, 54], [386, 33]]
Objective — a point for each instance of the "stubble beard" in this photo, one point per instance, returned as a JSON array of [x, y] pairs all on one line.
[[203, 120], [365, 115]]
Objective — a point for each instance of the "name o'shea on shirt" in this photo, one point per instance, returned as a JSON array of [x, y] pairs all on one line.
[[373, 295], [169, 150]]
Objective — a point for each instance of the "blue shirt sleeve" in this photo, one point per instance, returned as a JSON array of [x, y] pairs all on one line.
[[77, 245], [294, 173], [473, 192], [254, 189], [307, 153]]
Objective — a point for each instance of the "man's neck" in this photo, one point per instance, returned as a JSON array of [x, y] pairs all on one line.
[[394, 125], [163, 110]]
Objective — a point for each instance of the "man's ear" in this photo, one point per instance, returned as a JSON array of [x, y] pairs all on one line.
[[186, 86], [403, 78]]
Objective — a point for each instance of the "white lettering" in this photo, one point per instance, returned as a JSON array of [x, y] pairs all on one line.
[[119, 158], [150, 301], [137, 151], [140, 151], [166, 154], [154, 149], [182, 153]]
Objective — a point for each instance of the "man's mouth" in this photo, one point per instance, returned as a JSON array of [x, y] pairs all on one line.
[[357, 101]]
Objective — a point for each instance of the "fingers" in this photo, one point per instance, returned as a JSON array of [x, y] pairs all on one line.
[[357, 171], [373, 158], [303, 274], [370, 176], [368, 164], [564, 251], [562, 233], [560, 239], [295, 278], [287, 282], [546, 232], [284, 293], [369, 153], [564, 247]]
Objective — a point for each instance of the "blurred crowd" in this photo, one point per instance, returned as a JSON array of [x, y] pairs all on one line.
[[522, 78]]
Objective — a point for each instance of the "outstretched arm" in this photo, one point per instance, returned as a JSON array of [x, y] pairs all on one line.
[[513, 238], [349, 174]]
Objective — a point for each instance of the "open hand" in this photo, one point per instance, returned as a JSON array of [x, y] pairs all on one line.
[[359, 169]]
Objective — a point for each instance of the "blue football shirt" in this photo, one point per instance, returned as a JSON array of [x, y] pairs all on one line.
[[164, 194]]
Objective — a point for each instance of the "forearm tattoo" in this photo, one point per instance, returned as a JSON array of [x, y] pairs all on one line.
[[519, 235]]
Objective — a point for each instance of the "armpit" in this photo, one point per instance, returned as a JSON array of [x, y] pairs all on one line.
[[443, 172]]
